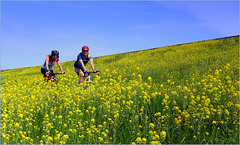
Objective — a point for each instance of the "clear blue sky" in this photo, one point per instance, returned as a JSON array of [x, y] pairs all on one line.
[[31, 29]]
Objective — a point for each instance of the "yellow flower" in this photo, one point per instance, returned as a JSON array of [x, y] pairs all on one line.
[[158, 114], [155, 142], [207, 101], [185, 89], [163, 134], [176, 108], [50, 138], [149, 79], [156, 137], [100, 139], [226, 112], [228, 78], [65, 137], [139, 140], [3, 135], [214, 122], [16, 125], [139, 77], [151, 125], [104, 134], [137, 69], [20, 115], [144, 140]]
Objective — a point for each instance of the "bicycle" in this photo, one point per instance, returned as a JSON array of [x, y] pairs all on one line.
[[52, 77], [87, 74]]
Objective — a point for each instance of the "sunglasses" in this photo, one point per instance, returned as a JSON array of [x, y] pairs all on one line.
[[84, 51], [55, 55]]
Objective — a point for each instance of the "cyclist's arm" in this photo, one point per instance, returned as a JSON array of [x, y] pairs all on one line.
[[60, 67], [91, 63], [47, 60], [83, 66]]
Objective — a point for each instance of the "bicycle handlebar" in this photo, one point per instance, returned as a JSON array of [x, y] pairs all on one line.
[[88, 72], [93, 72], [59, 73]]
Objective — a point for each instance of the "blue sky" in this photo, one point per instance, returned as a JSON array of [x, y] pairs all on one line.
[[31, 29]]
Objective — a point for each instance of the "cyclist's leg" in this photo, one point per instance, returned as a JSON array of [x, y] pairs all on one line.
[[79, 73], [76, 70], [45, 74]]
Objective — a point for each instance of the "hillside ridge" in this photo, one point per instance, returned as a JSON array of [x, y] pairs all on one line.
[[229, 37]]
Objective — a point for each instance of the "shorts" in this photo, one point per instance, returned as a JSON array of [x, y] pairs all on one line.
[[77, 70], [43, 71]]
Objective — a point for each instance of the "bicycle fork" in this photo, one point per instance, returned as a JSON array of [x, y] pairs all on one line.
[[89, 79]]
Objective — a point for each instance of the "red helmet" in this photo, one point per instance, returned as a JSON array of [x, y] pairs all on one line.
[[85, 48]]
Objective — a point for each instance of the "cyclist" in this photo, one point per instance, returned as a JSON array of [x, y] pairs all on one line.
[[47, 67], [82, 60]]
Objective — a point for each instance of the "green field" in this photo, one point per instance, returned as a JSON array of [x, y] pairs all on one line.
[[181, 94]]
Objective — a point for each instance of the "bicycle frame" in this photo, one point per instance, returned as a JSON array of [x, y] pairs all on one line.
[[89, 78]]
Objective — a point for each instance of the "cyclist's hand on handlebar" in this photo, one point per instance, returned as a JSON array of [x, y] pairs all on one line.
[[86, 71], [63, 73]]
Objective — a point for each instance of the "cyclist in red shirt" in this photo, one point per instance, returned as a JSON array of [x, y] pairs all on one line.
[[47, 67]]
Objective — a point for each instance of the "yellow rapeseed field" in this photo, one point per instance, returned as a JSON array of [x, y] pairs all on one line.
[[184, 94]]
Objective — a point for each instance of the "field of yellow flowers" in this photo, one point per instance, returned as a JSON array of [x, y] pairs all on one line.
[[184, 94]]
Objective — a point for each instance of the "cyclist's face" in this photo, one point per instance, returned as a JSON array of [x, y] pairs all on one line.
[[55, 56], [85, 52]]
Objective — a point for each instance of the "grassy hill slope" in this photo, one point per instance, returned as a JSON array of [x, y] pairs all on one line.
[[182, 94], [173, 62]]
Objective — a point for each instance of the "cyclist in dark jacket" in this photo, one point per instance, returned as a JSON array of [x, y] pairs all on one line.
[[82, 60]]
